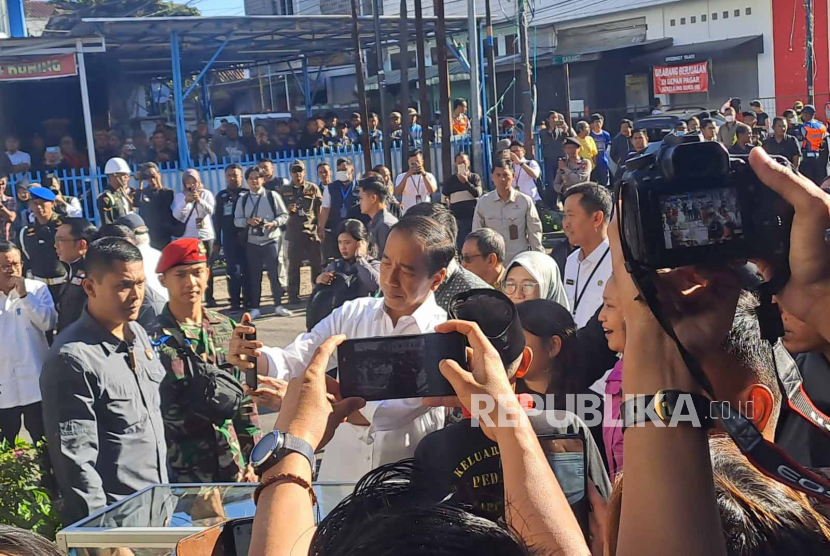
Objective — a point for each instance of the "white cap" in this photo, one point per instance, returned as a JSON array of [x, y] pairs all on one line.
[[117, 166]]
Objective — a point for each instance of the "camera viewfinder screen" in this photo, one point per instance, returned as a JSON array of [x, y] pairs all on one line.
[[703, 217]]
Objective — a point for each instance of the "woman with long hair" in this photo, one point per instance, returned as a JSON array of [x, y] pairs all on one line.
[[356, 258]]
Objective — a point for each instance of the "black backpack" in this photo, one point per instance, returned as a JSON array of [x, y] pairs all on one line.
[[210, 391], [326, 298]]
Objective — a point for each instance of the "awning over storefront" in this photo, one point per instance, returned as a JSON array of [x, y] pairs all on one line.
[[457, 73], [698, 52], [572, 53]]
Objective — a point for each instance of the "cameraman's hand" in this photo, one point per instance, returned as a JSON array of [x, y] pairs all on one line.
[[807, 293], [307, 410], [487, 380], [563, 164]]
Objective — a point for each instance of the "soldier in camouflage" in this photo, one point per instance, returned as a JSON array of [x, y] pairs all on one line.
[[198, 451]]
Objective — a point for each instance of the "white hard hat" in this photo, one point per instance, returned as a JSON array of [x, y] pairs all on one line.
[[117, 166]]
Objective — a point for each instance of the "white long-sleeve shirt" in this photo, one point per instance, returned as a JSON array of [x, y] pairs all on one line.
[[23, 322], [203, 212], [397, 426]]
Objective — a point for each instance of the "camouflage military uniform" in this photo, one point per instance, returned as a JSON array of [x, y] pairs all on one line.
[[197, 450]]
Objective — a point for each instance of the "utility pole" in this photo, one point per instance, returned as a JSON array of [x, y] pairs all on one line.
[[384, 111], [493, 90], [403, 42], [444, 89], [525, 81], [361, 91], [420, 41], [567, 71], [808, 11], [475, 98]]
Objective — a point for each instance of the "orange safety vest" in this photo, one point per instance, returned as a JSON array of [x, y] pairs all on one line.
[[813, 133]]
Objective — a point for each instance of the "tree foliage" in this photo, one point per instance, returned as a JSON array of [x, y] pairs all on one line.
[[69, 13]]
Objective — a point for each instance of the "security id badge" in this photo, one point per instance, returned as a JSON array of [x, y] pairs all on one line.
[[343, 211], [417, 199], [227, 209], [513, 231], [200, 223]]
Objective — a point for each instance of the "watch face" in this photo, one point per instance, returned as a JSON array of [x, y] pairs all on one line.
[[264, 448]]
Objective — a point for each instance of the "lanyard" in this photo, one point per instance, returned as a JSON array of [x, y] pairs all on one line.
[[344, 193], [587, 282], [417, 189], [256, 205]]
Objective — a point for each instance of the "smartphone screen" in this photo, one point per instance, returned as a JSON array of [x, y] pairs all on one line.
[[250, 374], [398, 367], [566, 456]]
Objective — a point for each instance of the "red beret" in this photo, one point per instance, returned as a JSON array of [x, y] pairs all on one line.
[[181, 252]]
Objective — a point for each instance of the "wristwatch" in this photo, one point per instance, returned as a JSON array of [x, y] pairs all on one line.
[[276, 445], [690, 408]]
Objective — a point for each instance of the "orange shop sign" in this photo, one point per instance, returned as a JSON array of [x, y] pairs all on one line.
[[38, 68], [689, 78]]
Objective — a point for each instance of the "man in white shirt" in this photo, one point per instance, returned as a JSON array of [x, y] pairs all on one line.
[[27, 311], [21, 162], [587, 210], [414, 264], [526, 171], [416, 185]]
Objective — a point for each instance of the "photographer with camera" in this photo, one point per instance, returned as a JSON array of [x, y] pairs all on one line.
[[154, 202], [416, 185], [262, 224]]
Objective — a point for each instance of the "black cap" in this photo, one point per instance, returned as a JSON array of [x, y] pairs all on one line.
[[546, 318], [497, 317]]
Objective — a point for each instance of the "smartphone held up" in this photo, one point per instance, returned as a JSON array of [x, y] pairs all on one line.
[[398, 367]]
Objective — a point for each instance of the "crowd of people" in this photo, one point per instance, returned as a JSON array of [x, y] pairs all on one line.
[[113, 326]]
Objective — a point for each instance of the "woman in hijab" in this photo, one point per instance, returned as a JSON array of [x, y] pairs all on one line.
[[534, 275]]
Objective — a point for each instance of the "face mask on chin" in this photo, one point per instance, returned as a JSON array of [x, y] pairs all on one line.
[[342, 175]]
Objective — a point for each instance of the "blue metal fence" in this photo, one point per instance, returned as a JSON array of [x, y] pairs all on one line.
[[82, 183]]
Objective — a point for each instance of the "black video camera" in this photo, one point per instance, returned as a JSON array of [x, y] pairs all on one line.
[[689, 202]]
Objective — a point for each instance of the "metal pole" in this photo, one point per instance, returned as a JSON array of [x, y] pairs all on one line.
[[381, 75], [307, 88], [90, 134], [808, 11], [420, 41], [492, 86], [178, 101], [287, 96], [361, 90], [527, 86], [270, 89], [403, 42], [485, 103], [567, 70], [444, 89], [475, 93]]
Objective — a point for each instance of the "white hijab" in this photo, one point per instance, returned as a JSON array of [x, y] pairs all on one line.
[[546, 272]]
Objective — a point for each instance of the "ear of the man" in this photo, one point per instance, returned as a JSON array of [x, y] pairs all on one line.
[[438, 278], [524, 366], [760, 406], [86, 284]]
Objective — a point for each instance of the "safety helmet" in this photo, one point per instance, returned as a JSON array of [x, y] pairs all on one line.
[[117, 166]]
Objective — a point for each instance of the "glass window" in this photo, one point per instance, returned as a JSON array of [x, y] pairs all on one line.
[[693, 19], [714, 16], [671, 23], [737, 13], [748, 11], [725, 15], [682, 21], [703, 18]]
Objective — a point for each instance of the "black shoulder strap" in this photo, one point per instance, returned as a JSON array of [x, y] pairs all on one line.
[[272, 202]]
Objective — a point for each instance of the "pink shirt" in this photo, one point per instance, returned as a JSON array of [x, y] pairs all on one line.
[[613, 435]]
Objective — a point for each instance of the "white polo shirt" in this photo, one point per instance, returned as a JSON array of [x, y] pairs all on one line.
[[524, 181], [585, 280], [416, 190]]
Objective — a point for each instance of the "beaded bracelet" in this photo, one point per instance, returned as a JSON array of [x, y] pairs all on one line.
[[285, 478]]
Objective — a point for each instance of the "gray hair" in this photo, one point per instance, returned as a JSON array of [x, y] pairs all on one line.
[[582, 125], [489, 242]]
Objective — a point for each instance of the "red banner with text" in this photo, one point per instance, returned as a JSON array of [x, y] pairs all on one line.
[[61, 65], [690, 78]]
